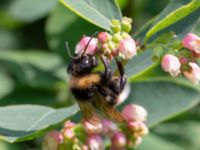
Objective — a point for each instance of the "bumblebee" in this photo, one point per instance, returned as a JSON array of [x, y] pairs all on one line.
[[96, 90]]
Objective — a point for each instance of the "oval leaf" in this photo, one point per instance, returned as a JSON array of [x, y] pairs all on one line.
[[24, 122], [30, 10], [140, 64], [36, 67], [7, 84], [162, 100], [174, 16], [154, 142], [59, 30], [97, 12]]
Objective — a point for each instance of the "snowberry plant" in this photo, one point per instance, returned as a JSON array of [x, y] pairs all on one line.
[[161, 61]]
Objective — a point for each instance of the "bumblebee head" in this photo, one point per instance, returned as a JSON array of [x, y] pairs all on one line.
[[82, 65]]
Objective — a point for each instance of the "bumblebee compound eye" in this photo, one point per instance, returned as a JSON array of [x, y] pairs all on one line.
[[86, 61]]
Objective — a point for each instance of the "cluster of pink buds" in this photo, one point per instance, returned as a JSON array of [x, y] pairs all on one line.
[[116, 43], [135, 116], [186, 64], [89, 136]]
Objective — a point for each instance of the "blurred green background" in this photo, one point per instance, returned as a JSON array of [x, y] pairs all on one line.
[[33, 61]]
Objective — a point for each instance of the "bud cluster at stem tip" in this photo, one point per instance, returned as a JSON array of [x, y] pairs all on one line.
[[90, 136], [186, 64], [117, 43]]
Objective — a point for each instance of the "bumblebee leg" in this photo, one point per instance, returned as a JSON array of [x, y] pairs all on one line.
[[123, 78], [115, 85], [107, 75], [109, 96]]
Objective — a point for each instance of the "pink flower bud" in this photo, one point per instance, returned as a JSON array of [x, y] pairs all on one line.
[[134, 112], [105, 48], [192, 42], [83, 43], [171, 64], [84, 147], [52, 140], [194, 74], [68, 133], [134, 125], [127, 48], [138, 128], [109, 127], [69, 124], [92, 128], [143, 129], [138, 141], [104, 37], [94, 142], [119, 140]]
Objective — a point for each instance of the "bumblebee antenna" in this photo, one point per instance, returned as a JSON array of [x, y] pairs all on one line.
[[89, 43], [70, 55]]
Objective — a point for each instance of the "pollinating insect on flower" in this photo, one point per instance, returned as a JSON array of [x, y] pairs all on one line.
[[95, 80], [101, 91]]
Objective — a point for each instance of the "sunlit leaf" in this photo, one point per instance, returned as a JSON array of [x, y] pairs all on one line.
[[97, 12], [25, 122], [174, 16], [30, 10]]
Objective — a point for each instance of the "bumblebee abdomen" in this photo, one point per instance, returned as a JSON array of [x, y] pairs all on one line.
[[82, 94], [84, 82]]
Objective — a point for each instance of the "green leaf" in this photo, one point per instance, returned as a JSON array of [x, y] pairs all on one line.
[[140, 64], [189, 23], [7, 21], [163, 100], [6, 85], [153, 142], [173, 131], [27, 96], [8, 146], [140, 34], [59, 30], [43, 60], [174, 16], [36, 67], [165, 77], [25, 122], [97, 12], [9, 39], [30, 10], [196, 29]]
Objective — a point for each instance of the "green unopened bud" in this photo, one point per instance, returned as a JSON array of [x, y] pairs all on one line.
[[125, 35], [111, 45], [116, 38], [62, 146], [76, 147], [80, 132], [115, 26], [126, 24]]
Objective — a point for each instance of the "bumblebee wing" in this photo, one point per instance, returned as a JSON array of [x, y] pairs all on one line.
[[109, 110], [88, 112]]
